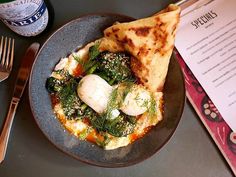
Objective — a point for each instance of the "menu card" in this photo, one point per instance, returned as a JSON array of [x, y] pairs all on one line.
[[206, 40]]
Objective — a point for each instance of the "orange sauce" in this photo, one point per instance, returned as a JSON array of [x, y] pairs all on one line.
[[54, 99], [135, 136], [91, 137], [94, 136], [78, 71], [86, 121]]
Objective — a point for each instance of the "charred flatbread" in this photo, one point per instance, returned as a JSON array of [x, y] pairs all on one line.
[[150, 41]]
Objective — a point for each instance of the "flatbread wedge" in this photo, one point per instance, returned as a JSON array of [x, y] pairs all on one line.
[[150, 41]]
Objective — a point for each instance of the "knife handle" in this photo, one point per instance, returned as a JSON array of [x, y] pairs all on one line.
[[7, 128]]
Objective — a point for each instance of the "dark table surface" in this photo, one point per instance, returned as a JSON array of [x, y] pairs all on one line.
[[190, 152]]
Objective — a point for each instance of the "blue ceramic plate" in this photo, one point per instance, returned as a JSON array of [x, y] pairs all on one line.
[[78, 33]]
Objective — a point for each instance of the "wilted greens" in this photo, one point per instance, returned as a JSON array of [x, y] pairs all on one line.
[[114, 68]]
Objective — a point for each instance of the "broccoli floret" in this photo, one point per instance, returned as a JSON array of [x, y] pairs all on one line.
[[53, 85], [113, 67], [116, 66]]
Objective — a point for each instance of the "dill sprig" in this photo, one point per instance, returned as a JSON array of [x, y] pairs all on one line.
[[105, 140], [127, 89], [117, 97], [94, 51], [76, 58], [113, 103], [152, 110], [83, 135], [149, 104], [146, 103], [89, 65]]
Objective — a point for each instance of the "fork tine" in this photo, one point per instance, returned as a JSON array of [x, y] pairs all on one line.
[[12, 53], [4, 51], [1, 45], [8, 52]]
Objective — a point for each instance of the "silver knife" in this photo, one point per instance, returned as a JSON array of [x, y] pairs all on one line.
[[21, 81]]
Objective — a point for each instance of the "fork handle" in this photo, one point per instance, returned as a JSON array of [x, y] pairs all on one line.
[[7, 128]]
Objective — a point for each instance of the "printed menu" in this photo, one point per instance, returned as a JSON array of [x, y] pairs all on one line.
[[206, 40]]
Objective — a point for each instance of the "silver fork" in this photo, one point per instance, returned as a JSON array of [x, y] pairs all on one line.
[[6, 57]]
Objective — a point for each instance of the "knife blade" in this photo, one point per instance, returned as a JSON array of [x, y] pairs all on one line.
[[24, 71], [21, 81]]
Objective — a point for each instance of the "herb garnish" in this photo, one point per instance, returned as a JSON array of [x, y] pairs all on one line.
[[77, 58], [152, 110], [94, 51], [103, 142], [89, 65], [83, 135]]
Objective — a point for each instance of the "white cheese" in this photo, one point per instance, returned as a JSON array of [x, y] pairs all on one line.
[[76, 126], [82, 53], [62, 64], [72, 64], [117, 142]]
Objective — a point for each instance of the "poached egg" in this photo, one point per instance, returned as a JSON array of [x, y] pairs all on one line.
[[95, 92]]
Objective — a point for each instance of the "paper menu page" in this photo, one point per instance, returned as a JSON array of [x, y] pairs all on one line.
[[206, 40]]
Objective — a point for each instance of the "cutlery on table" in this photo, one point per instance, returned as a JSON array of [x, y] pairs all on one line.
[[6, 57], [21, 81]]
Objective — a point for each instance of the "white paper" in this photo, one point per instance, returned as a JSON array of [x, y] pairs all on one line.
[[206, 39]]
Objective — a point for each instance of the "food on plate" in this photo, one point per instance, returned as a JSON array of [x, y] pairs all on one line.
[[109, 92]]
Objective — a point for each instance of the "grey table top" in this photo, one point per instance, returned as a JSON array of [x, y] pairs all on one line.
[[190, 152]]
